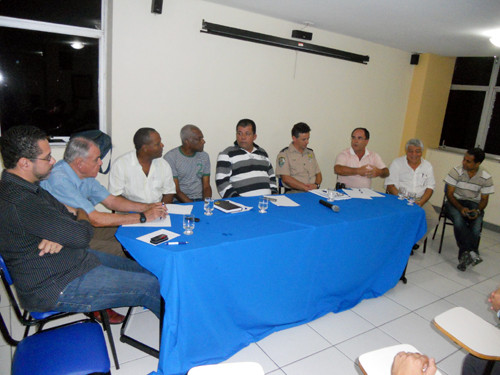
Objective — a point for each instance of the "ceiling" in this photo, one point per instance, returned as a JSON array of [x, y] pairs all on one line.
[[442, 27]]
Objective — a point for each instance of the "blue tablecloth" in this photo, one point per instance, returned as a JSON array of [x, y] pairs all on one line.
[[246, 275]]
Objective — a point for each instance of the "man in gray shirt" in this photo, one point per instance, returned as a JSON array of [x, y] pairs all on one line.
[[190, 166]]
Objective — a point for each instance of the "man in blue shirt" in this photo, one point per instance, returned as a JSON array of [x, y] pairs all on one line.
[[73, 183]]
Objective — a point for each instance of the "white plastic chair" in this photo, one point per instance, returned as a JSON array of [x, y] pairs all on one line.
[[237, 368], [379, 362]]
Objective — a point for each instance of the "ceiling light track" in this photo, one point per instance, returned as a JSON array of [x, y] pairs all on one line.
[[250, 36]]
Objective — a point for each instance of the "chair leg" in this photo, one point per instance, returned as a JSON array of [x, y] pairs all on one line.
[[107, 328], [442, 236], [437, 225], [425, 245], [133, 342]]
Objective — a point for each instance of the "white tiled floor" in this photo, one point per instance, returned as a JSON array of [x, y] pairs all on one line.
[[332, 343]]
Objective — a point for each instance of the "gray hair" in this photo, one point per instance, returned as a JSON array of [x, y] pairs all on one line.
[[187, 132], [78, 147], [414, 142]]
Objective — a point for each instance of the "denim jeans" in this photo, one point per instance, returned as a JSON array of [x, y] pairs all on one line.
[[467, 231], [117, 282], [475, 366]]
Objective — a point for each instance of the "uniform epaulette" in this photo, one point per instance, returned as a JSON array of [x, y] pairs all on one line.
[[284, 149], [309, 148]]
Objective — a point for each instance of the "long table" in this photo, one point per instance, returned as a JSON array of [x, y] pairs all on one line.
[[246, 275]]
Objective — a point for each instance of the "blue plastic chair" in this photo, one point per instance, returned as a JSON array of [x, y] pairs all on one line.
[[73, 349], [39, 319]]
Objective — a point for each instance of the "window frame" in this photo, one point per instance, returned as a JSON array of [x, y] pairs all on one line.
[[102, 37], [489, 101]]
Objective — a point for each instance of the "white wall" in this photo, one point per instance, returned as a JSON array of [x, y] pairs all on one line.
[[443, 161], [166, 74]]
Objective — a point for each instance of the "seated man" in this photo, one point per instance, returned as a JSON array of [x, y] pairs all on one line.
[[73, 183], [296, 164], [356, 166], [244, 168], [142, 175], [190, 166], [46, 245], [415, 175], [468, 189]]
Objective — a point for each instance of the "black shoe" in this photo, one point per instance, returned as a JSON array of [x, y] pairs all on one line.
[[416, 246], [476, 259], [465, 260]]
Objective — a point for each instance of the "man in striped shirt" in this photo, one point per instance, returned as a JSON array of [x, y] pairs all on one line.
[[244, 169], [468, 189]]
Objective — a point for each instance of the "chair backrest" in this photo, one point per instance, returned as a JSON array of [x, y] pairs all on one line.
[[236, 368]]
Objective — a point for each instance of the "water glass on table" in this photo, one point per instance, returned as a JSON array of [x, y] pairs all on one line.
[[208, 206], [188, 224], [411, 198], [401, 193], [263, 204], [331, 194]]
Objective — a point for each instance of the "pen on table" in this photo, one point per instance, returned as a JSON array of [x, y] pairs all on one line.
[[176, 243]]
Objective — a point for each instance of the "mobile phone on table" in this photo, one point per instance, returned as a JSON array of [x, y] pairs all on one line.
[[158, 239]]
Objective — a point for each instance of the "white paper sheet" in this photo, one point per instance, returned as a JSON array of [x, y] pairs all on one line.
[[324, 194], [281, 200], [155, 223], [179, 209], [147, 237], [362, 193]]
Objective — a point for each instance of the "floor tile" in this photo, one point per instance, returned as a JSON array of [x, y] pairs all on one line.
[[429, 312], [475, 302], [434, 283], [332, 326], [253, 353], [379, 310], [414, 330], [292, 344], [411, 296], [366, 342], [327, 362], [452, 364], [5, 359]]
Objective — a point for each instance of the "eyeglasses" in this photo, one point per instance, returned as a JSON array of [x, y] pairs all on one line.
[[47, 158]]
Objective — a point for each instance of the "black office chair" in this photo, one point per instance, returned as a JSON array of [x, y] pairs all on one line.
[[39, 319], [446, 220], [75, 348]]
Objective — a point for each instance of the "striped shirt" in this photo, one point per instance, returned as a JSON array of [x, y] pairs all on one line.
[[470, 188], [244, 173], [30, 214]]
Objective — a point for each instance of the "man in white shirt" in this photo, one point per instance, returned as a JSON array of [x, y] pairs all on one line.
[[143, 175], [416, 176]]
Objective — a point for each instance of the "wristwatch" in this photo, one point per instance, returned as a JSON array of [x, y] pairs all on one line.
[[317, 185], [143, 217]]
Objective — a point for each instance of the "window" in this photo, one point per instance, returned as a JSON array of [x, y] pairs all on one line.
[[45, 79], [472, 119]]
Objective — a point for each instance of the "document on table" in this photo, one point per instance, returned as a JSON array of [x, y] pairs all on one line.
[[155, 223], [281, 200], [324, 194], [362, 193], [179, 209]]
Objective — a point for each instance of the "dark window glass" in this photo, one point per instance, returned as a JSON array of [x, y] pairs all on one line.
[[48, 83], [498, 80], [461, 121], [84, 13], [493, 140], [473, 71]]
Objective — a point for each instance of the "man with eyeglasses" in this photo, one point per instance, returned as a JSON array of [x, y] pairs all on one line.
[[357, 166], [45, 244], [190, 166]]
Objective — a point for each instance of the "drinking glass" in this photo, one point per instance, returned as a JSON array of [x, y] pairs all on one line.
[[263, 204], [411, 198], [208, 206], [331, 195], [401, 193], [188, 224]]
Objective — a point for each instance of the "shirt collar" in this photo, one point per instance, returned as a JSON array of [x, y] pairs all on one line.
[[353, 153], [10, 177], [62, 164]]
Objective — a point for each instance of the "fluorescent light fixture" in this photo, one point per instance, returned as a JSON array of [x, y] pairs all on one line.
[[495, 40], [77, 45]]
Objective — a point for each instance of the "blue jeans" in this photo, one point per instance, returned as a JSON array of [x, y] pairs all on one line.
[[117, 282], [467, 232]]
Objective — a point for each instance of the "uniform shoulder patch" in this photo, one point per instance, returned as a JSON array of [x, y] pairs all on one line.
[[281, 161]]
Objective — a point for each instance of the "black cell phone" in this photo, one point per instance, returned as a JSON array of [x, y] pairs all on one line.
[[158, 239]]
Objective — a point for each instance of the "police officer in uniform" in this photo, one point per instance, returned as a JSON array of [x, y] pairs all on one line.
[[296, 164]]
